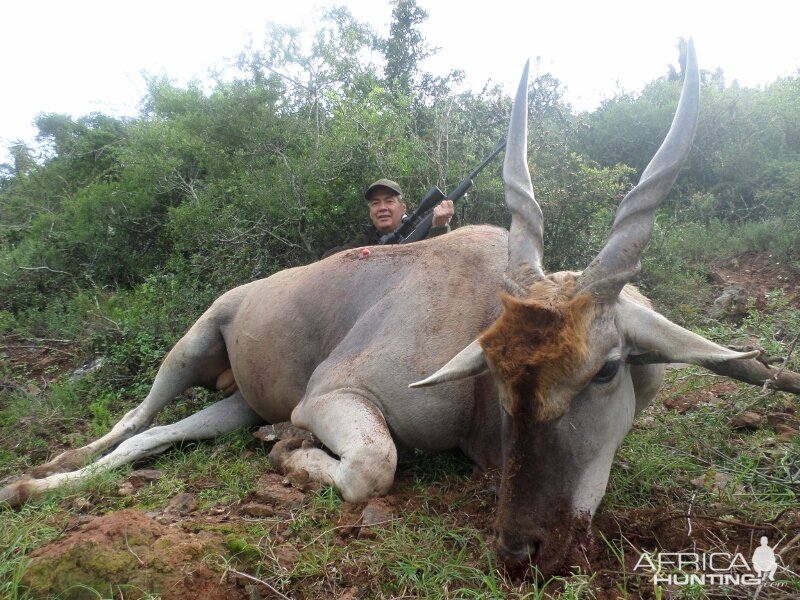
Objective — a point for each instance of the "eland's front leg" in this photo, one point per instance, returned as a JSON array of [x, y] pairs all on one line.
[[353, 429]]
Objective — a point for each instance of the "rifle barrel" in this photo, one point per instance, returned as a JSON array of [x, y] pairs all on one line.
[[494, 153]]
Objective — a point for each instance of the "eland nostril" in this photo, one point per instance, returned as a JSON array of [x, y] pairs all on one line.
[[519, 557]]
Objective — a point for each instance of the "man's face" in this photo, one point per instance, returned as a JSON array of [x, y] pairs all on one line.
[[386, 209]]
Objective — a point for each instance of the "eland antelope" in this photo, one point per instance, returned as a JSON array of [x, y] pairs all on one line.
[[542, 376]]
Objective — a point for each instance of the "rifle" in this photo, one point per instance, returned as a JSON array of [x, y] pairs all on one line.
[[431, 199]]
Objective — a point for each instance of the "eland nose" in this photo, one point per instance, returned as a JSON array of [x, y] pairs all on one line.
[[518, 557]]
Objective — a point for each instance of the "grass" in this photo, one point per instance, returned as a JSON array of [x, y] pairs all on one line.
[[682, 471], [438, 544], [22, 532]]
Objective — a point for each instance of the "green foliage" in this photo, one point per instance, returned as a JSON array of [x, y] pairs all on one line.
[[578, 200], [405, 48], [776, 326], [21, 533], [629, 128], [211, 188], [7, 321], [744, 163]]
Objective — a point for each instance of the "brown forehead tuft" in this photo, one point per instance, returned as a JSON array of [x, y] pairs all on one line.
[[539, 340]]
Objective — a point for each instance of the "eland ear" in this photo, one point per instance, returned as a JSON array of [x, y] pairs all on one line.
[[467, 363], [656, 339]]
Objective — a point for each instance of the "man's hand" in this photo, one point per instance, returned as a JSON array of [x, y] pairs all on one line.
[[442, 213]]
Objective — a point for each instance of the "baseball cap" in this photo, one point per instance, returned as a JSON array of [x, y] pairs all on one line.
[[387, 183]]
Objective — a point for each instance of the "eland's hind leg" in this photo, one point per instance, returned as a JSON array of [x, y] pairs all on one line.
[[198, 358], [226, 415]]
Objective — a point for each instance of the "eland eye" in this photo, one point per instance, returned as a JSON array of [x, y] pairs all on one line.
[[607, 372]]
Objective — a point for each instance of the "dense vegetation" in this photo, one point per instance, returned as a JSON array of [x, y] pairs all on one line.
[[115, 234], [209, 189]]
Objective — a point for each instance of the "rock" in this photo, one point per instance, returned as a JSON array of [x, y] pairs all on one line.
[[256, 509], [82, 504], [83, 371], [781, 418], [748, 420], [350, 593], [252, 589], [182, 504], [712, 481], [271, 490], [715, 278], [281, 431], [376, 513], [301, 480], [287, 556], [786, 433], [138, 479], [730, 304], [126, 489], [143, 476], [681, 404]]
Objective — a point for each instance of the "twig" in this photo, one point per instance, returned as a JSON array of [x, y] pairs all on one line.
[[689, 514], [261, 581], [780, 514], [789, 544], [50, 348], [758, 591], [141, 562], [112, 321], [786, 358], [726, 521], [45, 340], [43, 269]]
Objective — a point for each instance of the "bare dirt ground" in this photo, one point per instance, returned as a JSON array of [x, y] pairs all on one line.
[[758, 273], [169, 549]]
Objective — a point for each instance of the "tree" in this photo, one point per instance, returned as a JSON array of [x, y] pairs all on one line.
[[405, 47]]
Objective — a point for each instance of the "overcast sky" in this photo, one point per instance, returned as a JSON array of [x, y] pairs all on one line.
[[81, 56]]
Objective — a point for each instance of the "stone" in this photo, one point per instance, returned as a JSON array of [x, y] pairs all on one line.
[[270, 489], [141, 477], [281, 431], [301, 480], [126, 489], [182, 504], [256, 509], [778, 418], [375, 512], [731, 303]]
